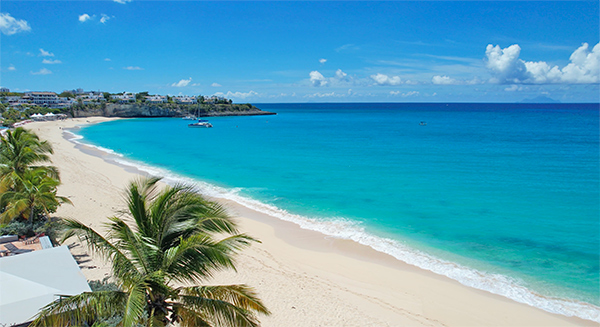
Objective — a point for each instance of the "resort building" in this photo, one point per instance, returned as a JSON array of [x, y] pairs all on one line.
[[14, 100], [42, 98]]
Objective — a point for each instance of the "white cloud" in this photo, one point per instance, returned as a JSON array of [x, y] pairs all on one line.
[[444, 80], [216, 85], [340, 79], [45, 53], [106, 59], [340, 75], [381, 79], [122, 1], [51, 62], [239, 95], [506, 66], [513, 88], [584, 66], [317, 79], [9, 25], [407, 94], [84, 17], [42, 71], [322, 61], [323, 95], [11, 68], [104, 19], [182, 83], [133, 68]]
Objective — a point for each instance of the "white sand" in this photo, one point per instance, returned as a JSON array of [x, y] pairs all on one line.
[[305, 278]]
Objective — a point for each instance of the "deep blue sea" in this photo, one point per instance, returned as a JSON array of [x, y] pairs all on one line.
[[501, 197]]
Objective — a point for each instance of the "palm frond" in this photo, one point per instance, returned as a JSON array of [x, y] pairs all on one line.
[[81, 309], [188, 317], [198, 257], [225, 305], [123, 268], [135, 304], [124, 238]]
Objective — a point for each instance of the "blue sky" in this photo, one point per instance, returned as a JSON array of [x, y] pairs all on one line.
[[334, 51]]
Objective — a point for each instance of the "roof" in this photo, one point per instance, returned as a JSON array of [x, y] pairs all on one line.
[[31, 280], [41, 93]]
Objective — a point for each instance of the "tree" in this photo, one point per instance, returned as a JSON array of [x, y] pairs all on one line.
[[35, 189], [141, 97], [67, 94], [168, 236], [21, 150]]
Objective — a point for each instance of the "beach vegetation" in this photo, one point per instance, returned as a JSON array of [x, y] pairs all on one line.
[[33, 189], [11, 116], [28, 188], [20, 151], [167, 237]]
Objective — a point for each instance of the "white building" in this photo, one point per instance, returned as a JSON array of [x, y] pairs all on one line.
[[42, 98], [157, 99], [29, 281], [183, 99], [4, 90], [92, 96], [125, 97]]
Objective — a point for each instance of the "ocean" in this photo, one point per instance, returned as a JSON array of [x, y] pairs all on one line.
[[500, 197]]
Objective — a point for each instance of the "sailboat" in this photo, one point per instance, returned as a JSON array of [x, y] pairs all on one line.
[[200, 123]]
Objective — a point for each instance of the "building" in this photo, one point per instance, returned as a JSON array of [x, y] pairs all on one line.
[[4, 90], [214, 99], [157, 99], [125, 97], [185, 99], [42, 98], [32, 280]]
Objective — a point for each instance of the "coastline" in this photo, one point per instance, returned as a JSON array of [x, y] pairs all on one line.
[[304, 277]]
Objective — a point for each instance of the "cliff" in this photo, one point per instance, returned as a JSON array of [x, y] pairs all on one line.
[[165, 110]]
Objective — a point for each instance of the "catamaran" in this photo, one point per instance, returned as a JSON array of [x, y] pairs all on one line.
[[201, 123]]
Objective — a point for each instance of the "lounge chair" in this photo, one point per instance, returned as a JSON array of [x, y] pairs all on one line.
[[15, 250], [33, 239]]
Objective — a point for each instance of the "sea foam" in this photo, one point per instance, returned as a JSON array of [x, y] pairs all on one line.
[[345, 229]]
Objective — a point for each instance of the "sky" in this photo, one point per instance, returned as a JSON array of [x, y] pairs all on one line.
[[307, 51]]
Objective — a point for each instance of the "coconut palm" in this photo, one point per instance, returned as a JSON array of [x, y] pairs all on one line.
[[19, 151], [34, 189], [168, 236]]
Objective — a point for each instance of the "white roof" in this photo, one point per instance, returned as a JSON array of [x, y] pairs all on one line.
[[49, 114], [37, 115], [31, 280]]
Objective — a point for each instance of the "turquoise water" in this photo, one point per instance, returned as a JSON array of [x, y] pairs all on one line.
[[500, 197]]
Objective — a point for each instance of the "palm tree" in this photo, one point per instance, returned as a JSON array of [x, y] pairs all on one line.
[[34, 189], [168, 237], [19, 151]]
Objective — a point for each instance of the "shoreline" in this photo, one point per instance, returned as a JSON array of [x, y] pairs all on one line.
[[378, 288]]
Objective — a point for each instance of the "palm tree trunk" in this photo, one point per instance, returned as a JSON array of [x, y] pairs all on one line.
[[31, 217]]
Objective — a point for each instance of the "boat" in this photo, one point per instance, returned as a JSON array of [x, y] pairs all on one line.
[[201, 123], [189, 118]]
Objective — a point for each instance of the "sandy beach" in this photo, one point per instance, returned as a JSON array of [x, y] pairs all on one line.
[[304, 277]]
